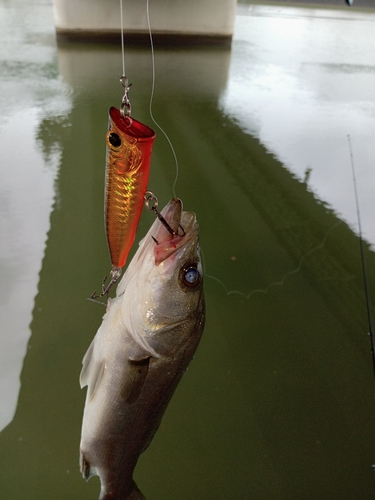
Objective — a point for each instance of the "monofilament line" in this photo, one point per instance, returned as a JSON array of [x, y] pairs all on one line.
[[122, 40], [152, 97], [281, 282], [363, 258]]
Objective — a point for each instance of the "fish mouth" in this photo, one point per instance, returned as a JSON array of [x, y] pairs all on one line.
[[177, 229]]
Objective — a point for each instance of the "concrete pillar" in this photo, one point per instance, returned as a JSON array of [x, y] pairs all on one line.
[[173, 21]]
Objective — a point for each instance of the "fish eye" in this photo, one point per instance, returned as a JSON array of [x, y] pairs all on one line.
[[191, 276], [114, 140]]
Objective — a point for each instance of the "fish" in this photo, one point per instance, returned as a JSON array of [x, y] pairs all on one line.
[[129, 148], [148, 336]]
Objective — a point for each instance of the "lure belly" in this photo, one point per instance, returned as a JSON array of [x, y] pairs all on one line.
[[129, 146]]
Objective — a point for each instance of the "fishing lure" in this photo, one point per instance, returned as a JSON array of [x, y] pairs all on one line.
[[129, 147]]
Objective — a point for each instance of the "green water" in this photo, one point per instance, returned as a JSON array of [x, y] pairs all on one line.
[[278, 402]]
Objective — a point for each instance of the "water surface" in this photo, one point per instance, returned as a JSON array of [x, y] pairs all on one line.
[[279, 399]]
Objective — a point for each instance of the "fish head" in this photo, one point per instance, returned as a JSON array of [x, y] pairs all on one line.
[[165, 281]]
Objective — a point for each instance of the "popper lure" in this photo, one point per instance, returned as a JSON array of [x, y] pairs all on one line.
[[129, 147]]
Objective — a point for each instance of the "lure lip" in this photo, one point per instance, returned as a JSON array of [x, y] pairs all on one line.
[[130, 126]]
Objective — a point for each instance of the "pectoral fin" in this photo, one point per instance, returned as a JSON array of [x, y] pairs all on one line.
[[134, 379]]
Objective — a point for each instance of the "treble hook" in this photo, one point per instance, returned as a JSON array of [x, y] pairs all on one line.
[[115, 274], [150, 197], [126, 108]]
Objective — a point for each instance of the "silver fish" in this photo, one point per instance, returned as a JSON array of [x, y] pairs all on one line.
[[147, 338]]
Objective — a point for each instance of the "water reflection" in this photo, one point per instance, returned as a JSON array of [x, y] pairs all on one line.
[[302, 98], [31, 92], [278, 402]]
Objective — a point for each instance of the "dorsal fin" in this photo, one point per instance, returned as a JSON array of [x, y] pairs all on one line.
[[84, 376], [92, 371]]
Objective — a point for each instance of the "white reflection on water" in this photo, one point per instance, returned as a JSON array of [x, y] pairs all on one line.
[[301, 80], [30, 92], [26, 199]]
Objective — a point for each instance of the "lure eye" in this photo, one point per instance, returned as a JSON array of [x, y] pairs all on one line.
[[114, 140], [191, 276]]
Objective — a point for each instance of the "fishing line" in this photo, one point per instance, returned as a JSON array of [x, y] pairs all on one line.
[[122, 39], [275, 283], [152, 98], [363, 258]]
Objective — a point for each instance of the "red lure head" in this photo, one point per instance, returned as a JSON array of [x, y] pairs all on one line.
[[129, 147]]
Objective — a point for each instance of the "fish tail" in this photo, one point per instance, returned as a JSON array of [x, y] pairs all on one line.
[[133, 494], [136, 494], [130, 492]]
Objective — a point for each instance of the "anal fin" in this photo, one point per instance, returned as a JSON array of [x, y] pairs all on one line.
[[86, 469]]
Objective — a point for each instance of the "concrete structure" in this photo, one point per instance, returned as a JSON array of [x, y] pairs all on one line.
[[172, 21]]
